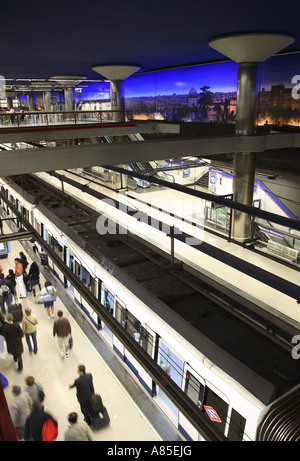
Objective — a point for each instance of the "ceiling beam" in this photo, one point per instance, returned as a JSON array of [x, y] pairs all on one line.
[[25, 161]]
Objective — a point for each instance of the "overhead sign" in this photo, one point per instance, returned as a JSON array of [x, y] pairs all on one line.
[[213, 415]]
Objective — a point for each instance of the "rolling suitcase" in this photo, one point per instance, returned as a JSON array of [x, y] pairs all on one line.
[[16, 311], [98, 413]]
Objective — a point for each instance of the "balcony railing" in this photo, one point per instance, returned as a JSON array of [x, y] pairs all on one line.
[[23, 119]]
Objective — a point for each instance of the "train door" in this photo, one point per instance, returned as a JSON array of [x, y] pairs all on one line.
[[69, 261], [193, 385], [59, 251], [92, 284], [120, 314], [107, 301], [208, 398], [173, 364]]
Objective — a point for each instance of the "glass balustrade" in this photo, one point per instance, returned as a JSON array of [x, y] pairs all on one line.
[[23, 119]]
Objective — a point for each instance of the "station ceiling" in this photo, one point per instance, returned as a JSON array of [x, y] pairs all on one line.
[[40, 39]]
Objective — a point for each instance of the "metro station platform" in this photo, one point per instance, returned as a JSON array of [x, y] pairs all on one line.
[[270, 283], [133, 416]]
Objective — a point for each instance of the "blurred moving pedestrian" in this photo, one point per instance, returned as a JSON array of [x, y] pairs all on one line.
[[13, 335], [34, 389], [77, 431], [19, 278], [7, 292], [20, 409], [34, 276], [23, 261], [29, 323], [85, 390], [34, 422], [48, 295], [62, 328]]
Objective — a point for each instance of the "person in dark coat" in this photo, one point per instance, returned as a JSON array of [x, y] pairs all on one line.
[[85, 390], [13, 335], [23, 261], [34, 276], [11, 277], [34, 422], [6, 298]]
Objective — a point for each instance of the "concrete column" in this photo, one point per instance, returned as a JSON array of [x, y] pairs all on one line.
[[9, 103], [116, 74], [249, 50], [47, 100], [117, 100], [68, 82], [30, 102], [244, 162], [68, 99]]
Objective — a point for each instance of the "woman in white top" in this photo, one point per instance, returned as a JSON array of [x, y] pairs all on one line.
[[48, 296]]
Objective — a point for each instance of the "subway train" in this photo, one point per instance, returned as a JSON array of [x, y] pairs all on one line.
[[232, 396]]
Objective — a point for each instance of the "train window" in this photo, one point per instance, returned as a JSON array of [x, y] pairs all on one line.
[[92, 286], [49, 238], [120, 312], [77, 269], [58, 249], [146, 341], [26, 214], [88, 280], [45, 233], [70, 260], [37, 226], [133, 326], [236, 427], [194, 389], [170, 362], [107, 299]]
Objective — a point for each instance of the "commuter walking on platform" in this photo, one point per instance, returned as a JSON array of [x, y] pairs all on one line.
[[20, 409], [34, 276], [77, 431], [13, 335], [34, 423], [48, 296], [62, 329], [7, 291], [19, 278], [34, 389], [11, 277], [29, 323], [23, 261], [85, 391]]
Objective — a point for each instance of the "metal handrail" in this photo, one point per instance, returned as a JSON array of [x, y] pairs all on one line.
[[43, 118]]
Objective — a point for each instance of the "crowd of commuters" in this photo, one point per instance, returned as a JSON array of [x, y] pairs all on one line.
[[26, 408]]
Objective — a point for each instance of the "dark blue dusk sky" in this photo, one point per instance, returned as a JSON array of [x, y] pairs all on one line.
[[219, 77]]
